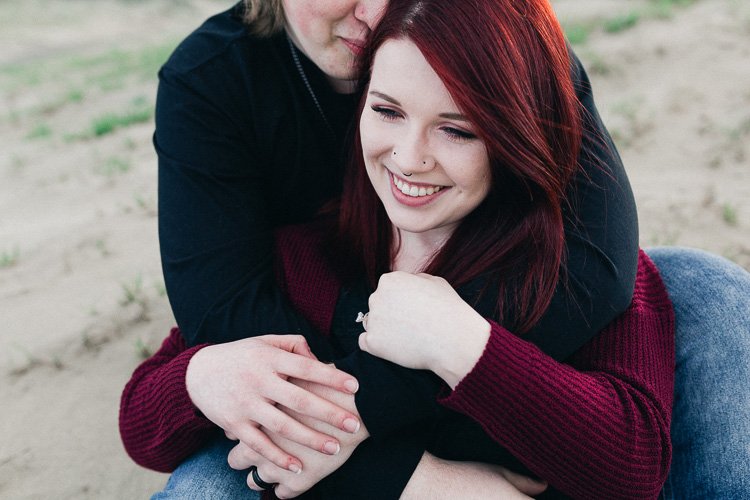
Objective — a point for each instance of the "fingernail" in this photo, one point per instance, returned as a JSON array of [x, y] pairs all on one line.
[[351, 385], [295, 468], [351, 425], [331, 448]]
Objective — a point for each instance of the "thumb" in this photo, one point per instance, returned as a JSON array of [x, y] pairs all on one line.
[[363, 342]]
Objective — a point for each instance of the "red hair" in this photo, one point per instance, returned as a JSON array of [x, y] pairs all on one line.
[[506, 65]]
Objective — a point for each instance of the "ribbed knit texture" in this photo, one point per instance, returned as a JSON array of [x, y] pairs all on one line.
[[597, 427], [159, 424]]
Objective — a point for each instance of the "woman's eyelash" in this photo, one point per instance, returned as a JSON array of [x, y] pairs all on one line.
[[386, 113], [459, 134], [454, 133]]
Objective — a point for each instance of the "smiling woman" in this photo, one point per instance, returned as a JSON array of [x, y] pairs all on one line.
[[427, 141], [473, 125]]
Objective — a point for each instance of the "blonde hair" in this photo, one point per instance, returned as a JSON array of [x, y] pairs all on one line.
[[264, 17]]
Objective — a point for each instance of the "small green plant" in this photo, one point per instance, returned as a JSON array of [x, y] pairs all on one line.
[[87, 342], [113, 165], [142, 350], [577, 34], [596, 64], [9, 258], [729, 214], [101, 245], [40, 131], [31, 361], [108, 123], [133, 292], [161, 289], [621, 23]]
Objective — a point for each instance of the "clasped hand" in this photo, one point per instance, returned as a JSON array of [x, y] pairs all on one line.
[[419, 321], [238, 386]]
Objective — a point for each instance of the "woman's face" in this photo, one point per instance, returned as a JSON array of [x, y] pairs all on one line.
[[423, 159], [331, 33]]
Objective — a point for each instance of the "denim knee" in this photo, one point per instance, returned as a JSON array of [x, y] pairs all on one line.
[[206, 475], [710, 428]]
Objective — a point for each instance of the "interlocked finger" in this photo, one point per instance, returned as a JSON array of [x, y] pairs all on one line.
[[292, 365], [242, 457], [287, 427], [306, 403], [258, 442]]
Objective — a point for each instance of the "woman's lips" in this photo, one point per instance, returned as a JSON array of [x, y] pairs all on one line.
[[414, 194]]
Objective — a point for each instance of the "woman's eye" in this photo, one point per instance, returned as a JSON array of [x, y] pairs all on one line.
[[386, 113], [458, 134]]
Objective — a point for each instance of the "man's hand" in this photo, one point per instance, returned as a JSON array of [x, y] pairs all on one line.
[[315, 466], [237, 386]]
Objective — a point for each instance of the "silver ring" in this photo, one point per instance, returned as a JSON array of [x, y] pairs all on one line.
[[362, 318], [258, 481]]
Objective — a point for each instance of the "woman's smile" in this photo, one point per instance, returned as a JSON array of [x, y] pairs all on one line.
[[414, 194]]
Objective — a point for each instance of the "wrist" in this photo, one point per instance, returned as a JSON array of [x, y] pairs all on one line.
[[464, 356], [193, 375]]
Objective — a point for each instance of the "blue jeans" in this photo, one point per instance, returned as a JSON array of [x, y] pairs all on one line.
[[206, 475], [711, 415]]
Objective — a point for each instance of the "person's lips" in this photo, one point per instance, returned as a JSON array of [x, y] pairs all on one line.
[[356, 46], [414, 194]]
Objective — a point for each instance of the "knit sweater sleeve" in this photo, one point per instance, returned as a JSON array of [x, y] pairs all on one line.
[[159, 425], [597, 427]]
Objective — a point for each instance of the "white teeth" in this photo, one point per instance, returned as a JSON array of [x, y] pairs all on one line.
[[414, 191]]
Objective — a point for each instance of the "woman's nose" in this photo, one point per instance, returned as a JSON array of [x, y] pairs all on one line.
[[411, 160]]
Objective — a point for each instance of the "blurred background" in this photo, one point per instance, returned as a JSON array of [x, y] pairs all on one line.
[[82, 300]]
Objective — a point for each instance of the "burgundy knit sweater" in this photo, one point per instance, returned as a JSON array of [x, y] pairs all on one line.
[[596, 426]]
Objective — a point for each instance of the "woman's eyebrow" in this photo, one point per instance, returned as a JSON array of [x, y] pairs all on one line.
[[385, 97]]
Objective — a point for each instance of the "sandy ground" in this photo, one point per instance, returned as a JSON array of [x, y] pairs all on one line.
[[81, 293]]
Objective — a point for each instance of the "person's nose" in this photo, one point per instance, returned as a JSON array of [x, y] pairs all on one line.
[[370, 11], [411, 156]]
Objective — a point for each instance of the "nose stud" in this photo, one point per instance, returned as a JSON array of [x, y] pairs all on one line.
[[409, 175]]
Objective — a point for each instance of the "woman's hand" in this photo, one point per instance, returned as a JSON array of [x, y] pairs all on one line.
[[314, 465], [237, 386], [419, 321], [438, 478]]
